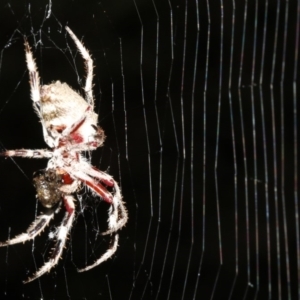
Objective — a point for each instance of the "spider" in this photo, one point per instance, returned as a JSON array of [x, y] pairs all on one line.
[[69, 127]]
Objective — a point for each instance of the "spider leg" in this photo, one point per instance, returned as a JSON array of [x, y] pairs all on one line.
[[94, 172], [78, 142], [34, 78], [115, 222], [35, 87], [117, 219], [118, 216], [108, 254], [61, 235], [95, 186], [69, 130], [89, 67], [37, 153], [34, 229]]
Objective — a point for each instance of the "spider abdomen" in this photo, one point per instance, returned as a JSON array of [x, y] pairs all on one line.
[[60, 105]]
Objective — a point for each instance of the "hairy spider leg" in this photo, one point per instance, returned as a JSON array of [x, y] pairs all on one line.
[[76, 137], [118, 216], [114, 224], [35, 88], [95, 186], [89, 67], [34, 229], [108, 254], [61, 236], [34, 78], [96, 173], [37, 153], [74, 127]]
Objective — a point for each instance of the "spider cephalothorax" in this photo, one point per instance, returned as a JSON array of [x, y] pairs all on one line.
[[70, 126]]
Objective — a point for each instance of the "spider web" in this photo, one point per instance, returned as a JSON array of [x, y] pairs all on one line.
[[199, 102]]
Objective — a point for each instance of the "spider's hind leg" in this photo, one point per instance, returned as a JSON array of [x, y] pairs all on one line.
[[108, 254], [34, 229], [61, 236], [117, 219]]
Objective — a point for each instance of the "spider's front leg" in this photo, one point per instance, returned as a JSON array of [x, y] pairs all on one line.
[[89, 67], [34, 78], [35, 89], [61, 235], [37, 153]]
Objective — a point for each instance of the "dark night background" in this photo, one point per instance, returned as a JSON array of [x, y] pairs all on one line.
[[161, 253]]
